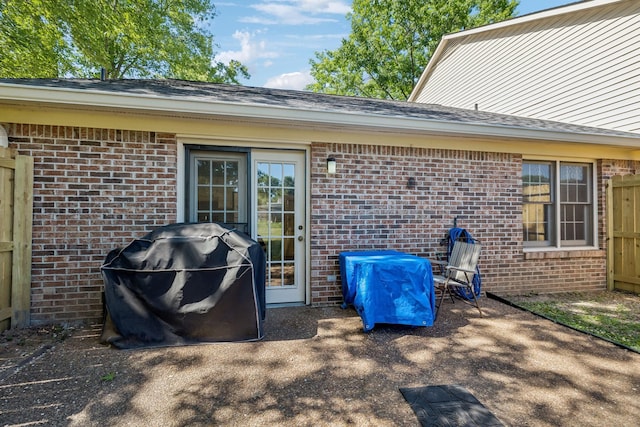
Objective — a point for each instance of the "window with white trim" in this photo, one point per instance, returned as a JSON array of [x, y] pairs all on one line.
[[557, 204]]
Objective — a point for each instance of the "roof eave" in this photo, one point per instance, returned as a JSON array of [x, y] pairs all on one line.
[[100, 100]]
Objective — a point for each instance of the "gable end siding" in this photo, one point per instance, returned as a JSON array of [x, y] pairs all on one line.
[[581, 68]]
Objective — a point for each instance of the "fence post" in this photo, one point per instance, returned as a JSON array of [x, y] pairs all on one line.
[[609, 239], [22, 228]]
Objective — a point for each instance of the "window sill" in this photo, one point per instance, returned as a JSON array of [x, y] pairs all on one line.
[[565, 253]]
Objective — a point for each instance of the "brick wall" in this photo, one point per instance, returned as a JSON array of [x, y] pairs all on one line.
[[367, 205], [94, 190], [97, 189]]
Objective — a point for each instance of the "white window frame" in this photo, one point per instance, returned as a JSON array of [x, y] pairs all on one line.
[[556, 229]]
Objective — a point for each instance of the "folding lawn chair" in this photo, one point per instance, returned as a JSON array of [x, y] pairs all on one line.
[[458, 273]]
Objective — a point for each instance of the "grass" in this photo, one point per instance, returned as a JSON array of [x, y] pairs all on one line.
[[613, 316]]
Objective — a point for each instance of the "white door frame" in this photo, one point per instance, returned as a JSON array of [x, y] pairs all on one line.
[[298, 236]]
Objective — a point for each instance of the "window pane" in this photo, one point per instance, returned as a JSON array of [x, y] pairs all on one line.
[[574, 183], [203, 171], [232, 199], [232, 217], [575, 221], [203, 198], [218, 173], [536, 182], [218, 198], [232, 173], [536, 222]]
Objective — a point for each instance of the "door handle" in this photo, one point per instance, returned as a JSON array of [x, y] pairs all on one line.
[[300, 238]]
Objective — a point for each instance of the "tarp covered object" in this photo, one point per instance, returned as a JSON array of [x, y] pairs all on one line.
[[388, 287], [185, 284]]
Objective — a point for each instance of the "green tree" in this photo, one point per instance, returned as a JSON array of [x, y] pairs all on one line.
[[126, 38], [391, 42]]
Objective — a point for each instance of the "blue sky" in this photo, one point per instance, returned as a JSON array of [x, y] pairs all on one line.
[[276, 39]]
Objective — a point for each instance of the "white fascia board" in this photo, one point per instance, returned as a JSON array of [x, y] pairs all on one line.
[[26, 94], [427, 70], [536, 16]]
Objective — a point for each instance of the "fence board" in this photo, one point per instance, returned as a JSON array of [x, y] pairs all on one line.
[[7, 167], [623, 231], [22, 233], [16, 222]]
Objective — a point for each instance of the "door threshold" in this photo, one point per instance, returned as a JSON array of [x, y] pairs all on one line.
[[285, 304]]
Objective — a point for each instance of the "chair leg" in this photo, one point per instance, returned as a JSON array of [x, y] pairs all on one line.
[[442, 292], [476, 301]]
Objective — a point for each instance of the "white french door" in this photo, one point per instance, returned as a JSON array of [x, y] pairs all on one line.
[[279, 221]]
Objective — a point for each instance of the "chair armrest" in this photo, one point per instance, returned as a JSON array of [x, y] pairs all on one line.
[[438, 262], [464, 270]]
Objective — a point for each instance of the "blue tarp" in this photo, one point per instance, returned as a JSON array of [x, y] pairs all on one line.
[[388, 287]]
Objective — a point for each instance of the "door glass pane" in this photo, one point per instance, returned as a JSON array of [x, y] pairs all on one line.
[[289, 226], [275, 276], [289, 179], [289, 199], [276, 174], [289, 249], [288, 276], [263, 174], [276, 249], [276, 199]]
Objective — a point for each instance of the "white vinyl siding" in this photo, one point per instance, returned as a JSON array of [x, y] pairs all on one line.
[[581, 68]]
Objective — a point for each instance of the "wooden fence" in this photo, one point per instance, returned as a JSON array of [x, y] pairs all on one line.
[[16, 220], [623, 232]]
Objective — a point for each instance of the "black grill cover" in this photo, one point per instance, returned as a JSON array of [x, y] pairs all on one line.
[[184, 284]]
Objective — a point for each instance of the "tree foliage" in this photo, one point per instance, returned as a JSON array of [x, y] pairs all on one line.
[[126, 38], [391, 42]]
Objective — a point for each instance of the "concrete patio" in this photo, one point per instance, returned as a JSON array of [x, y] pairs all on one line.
[[317, 367]]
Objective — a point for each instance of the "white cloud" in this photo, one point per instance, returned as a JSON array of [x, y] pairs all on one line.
[[297, 12], [251, 50], [297, 80]]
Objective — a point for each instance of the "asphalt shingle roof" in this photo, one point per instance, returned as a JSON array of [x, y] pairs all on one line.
[[310, 101]]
